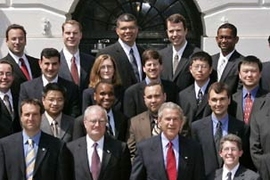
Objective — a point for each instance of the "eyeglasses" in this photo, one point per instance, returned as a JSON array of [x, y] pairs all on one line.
[[106, 67], [227, 149], [202, 66], [94, 121]]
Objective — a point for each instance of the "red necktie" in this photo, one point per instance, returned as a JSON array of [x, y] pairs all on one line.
[[74, 71], [248, 108], [171, 163], [24, 69]]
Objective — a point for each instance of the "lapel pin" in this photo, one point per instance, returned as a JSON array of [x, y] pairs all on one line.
[[108, 151], [43, 149], [186, 157]]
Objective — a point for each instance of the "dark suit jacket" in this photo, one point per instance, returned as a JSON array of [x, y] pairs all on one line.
[[115, 162], [53, 160], [86, 62], [202, 132], [182, 78], [265, 78], [120, 126], [9, 125], [66, 128], [149, 164], [34, 88], [19, 77], [139, 128], [134, 100], [242, 173], [123, 65], [230, 74]]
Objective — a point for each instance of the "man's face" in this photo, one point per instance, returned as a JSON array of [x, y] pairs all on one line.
[[95, 124], [30, 118], [170, 123], [250, 75], [219, 103], [226, 41], [200, 70], [152, 69], [104, 96], [230, 154], [154, 98], [127, 32], [16, 41], [72, 36], [53, 103], [6, 77], [49, 67], [176, 33]]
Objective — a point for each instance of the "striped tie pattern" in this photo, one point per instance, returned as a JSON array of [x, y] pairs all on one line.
[[30, 160]]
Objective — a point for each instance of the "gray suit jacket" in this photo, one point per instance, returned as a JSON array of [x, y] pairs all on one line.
[[66, 128]]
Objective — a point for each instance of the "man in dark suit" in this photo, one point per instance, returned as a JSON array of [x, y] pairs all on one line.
[[25, 67], [133, 97], [33, 154], [104, 97], [193, 99], [9, 118], [72, 60], [125, 51], [209, 130], [230, 151], [176, 56], [54, 122], [168, 156], [98, 156], [145, 125], [225, 62], [50, 63]]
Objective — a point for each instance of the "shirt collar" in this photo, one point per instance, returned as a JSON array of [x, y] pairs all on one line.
[[203, 88], [35, 138], [68, 55], [224, 120], [165, 141], [90, 142], [228, 56], [253, 92], [16, 58], [148, 81], [7, 93], [45, 81], [50, 119], [181, 51], [226, 170]]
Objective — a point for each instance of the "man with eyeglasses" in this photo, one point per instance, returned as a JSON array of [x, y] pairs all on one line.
[[98, 155], [193, 99]]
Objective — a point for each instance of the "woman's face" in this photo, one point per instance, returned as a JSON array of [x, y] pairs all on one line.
[[106, 69]]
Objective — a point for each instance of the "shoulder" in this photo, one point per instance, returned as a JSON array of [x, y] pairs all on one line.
[[198, 123], [110, 48], [85, 56], [29, 84], [30, 58], [140, 116], [68, 118], [78, 142], [89, 91], [165, 50], [9, 139], [134, 88]]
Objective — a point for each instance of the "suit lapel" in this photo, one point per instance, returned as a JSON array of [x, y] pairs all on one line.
[[183, 157], [239, 108], [145, 129], [107, 153], [45, 126], [16, 67], [231, 63], [42, 151], [117, 123], [239, 175], [218, 174], [231, 126], [168, 68], [83, 71], [64, 70], [20, 156], [81, 150]]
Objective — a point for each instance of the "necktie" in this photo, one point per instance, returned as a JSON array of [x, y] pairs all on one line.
[[218, 136], [229, 176], [30, 160], [221, 68], [248, 108], [134, 64], [8, 105], [171, 163], [55, 128], [175, 63], [74, 71], [24, 69], [200, 97], [109, 127], [95, 163], [156, 130]]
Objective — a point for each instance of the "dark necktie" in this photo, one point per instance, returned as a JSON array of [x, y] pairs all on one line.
[[55, 128], [171, 163], [134, 64], [74, 71], [218, 136], [229, 176], [24, 69], [30, 160], [8, 105], [200, 97], [95, 163], [248, 108], [175, 63], [109, 127]]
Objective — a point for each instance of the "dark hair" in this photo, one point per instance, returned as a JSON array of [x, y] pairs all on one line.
[[250, 60], [54, 87], [34, 102], [177, 18], [126, 17], [269, 39], [231, 138], [155, 84], [3, 61], [229, 26], [219, 87], [49, 53], [72, 22], [15, 26], [102, 82], [151, 54], [202, 56]]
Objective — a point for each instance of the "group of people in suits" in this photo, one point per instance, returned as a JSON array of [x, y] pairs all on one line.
[[176, 113]]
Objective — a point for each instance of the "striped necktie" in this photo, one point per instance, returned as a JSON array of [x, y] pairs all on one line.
[[30, 160]]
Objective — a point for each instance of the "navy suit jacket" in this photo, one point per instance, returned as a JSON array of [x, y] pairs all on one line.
[[115, 162], [182, 77], [53, 159]]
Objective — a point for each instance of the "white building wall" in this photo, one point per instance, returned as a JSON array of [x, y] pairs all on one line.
[[251, 17]]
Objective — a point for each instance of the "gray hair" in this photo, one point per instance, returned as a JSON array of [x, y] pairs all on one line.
[[95, 108], [170, 105]]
